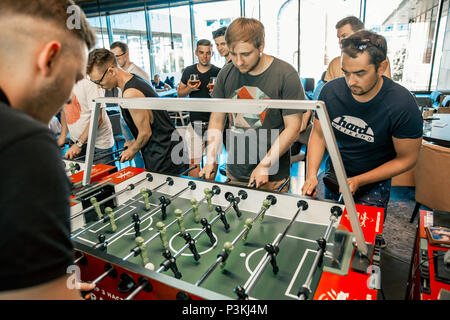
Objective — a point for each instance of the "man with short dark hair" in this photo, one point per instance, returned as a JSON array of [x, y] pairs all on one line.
[[198, 88], [376, 122], [221, 44], [152, 129], [48, 58], [122, 53], [262, 139], [345, 28]]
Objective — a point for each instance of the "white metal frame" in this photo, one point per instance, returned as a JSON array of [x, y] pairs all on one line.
[[237, 106]]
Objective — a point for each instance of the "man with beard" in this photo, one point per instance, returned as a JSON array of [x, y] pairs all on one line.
[[198, 88], [251, 160], [377, 124], [152, 129], [42, 58], [221, 44]]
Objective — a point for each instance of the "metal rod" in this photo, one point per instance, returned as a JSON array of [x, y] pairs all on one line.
[[157, 234], [128, 188], [151, 213], [103, 275], [319, 253], [136, 291], [220, 259], [267, 257], [196, 237]]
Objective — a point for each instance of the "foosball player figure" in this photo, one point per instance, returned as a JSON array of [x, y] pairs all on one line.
[[164, 203], [266, 204], [248, 225], [227, 248], [103, 244], [170, 263], [180, 220], [145, 195], [162, 233], [110, 213], [194, 204], [191, 242], [208, 230], [97, 208], [143, 251], [223, 218], [273, 251], [137, 224], [208, 195]]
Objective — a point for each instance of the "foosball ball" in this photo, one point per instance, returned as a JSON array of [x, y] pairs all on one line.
[[142, 235]]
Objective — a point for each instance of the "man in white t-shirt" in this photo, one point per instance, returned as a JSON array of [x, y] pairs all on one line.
[[75, 119], [122, 54]]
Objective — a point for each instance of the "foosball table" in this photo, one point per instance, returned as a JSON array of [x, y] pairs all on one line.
[[164, 237], [143, 235]]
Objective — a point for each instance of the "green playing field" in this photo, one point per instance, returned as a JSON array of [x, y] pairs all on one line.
[[295, 258]]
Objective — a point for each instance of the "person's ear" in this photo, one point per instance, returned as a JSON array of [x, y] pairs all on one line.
[[47, 57], [382, 67]]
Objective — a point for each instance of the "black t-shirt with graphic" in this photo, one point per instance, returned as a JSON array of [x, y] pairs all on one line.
[[364, 131], [279, 81], [203, 91]]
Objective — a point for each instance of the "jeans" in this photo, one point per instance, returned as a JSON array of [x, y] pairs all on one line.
[[375, 195]]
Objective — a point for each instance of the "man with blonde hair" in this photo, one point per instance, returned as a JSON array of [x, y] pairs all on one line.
[[264, 139], [43, 51]]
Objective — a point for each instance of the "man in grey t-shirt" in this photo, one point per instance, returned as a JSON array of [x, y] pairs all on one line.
[[258, 144]]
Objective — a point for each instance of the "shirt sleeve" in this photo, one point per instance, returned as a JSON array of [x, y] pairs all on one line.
[[185, 76], [407, 122], [34, 219], [292, 90]]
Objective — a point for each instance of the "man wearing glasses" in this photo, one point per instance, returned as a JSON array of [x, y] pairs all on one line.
[[122, 54], [376, 122], [152, 129]]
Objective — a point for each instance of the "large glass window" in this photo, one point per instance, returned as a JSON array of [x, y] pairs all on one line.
[[171, 41], [101, 31], [407, 25], [319, 43], [209, 17], [130, 28]]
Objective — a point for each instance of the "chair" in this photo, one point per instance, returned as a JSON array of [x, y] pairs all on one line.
[[308, 86], [181, 116], [445, 105], [435, 97], [432, 178]]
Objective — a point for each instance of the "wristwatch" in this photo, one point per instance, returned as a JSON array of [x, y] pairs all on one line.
[[79, 144]]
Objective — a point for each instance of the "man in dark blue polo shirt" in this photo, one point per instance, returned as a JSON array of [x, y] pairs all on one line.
[[377, 123]]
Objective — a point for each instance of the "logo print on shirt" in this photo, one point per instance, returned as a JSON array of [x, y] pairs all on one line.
[[354, 127]]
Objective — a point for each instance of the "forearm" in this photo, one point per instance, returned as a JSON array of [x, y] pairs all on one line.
[[215, 130], [316, 150], [183, 91], [286, 138], [386, 170]]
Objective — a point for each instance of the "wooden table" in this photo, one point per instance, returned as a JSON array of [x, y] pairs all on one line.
[[437, 134]]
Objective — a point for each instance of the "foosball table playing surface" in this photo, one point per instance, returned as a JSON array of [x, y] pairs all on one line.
[[155, 236]]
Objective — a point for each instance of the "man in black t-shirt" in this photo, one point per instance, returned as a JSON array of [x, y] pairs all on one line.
[[377, 123], [47, 59], [198, 88]]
